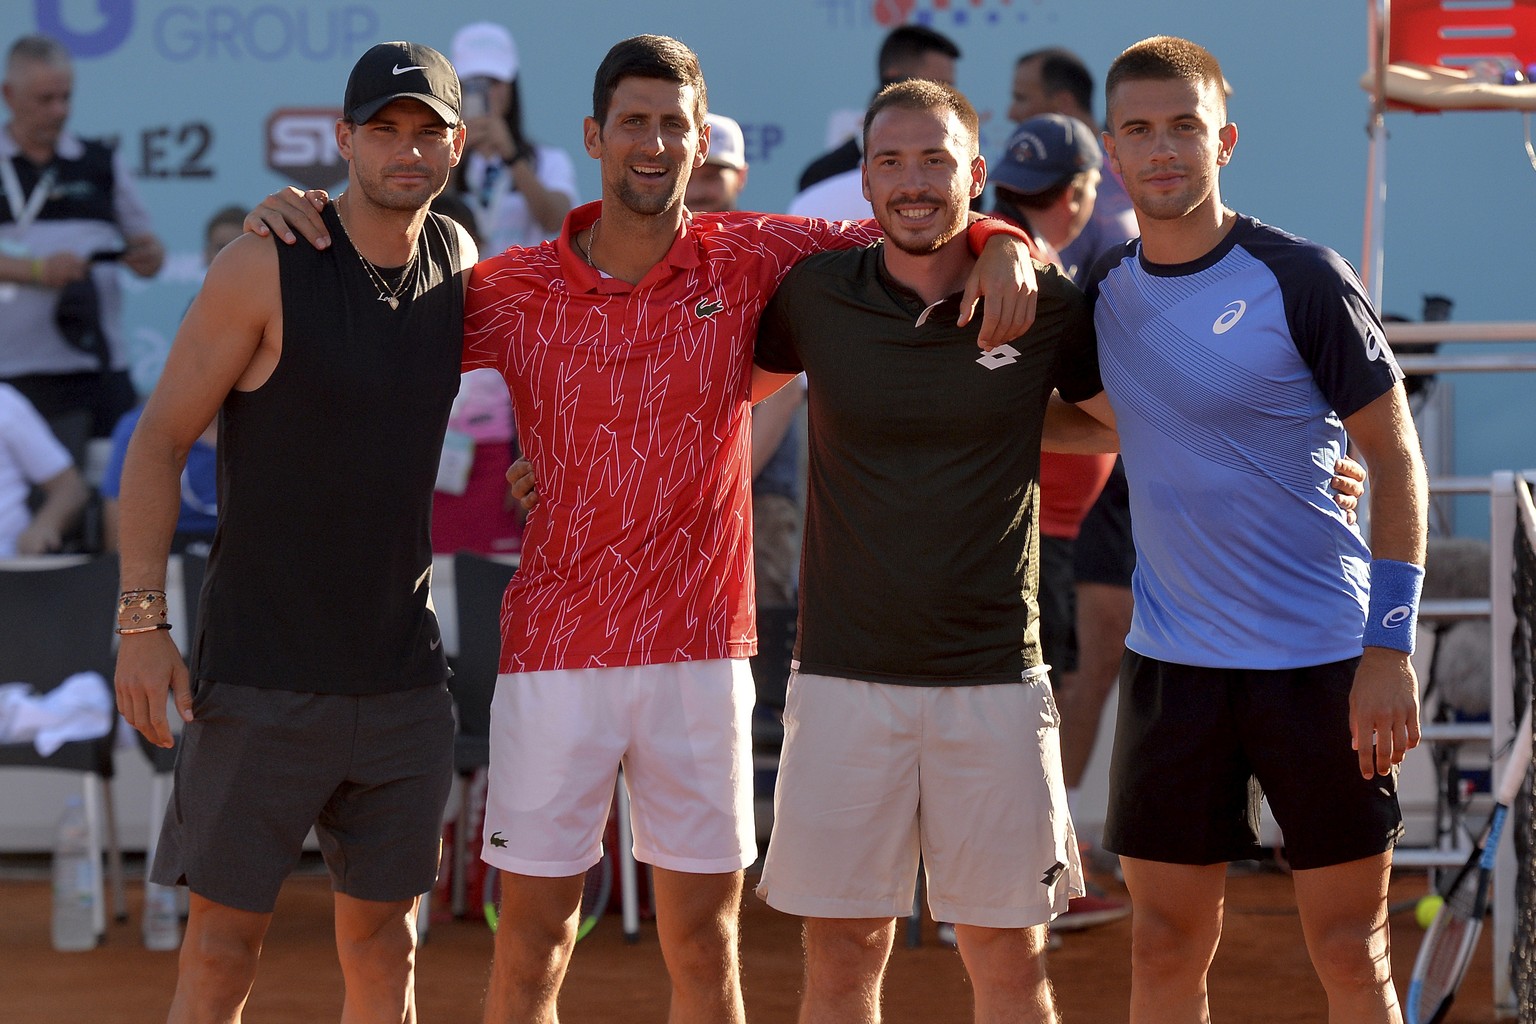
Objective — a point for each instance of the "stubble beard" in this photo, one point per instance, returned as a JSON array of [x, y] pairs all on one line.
[[650, 204]]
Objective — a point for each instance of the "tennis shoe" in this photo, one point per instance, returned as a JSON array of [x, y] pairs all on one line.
[[1090, 911]]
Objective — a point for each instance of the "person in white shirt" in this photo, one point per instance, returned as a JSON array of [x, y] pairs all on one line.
[[520, 191], [30, 456]]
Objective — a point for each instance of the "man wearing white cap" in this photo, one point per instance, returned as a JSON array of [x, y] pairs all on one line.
[[520, 191], [716, 187]]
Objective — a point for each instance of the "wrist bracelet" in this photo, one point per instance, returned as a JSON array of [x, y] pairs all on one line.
[[140, 611], [1392, 617], [142, 629]]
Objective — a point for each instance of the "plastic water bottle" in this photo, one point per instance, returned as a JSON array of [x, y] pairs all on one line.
[[74, 882], [162, 921]]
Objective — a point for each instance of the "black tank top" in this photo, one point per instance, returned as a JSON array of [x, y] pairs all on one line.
[[319, 571]]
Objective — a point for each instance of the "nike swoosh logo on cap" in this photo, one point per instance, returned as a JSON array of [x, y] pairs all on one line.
[[416, 67]]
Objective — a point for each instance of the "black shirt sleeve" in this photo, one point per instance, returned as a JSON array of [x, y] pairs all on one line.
[[776, 350], [1335, 328]]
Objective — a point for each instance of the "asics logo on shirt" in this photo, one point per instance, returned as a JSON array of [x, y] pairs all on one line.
[[1374, 346], [708, 308], [1231, 313], [1396, 617], [1003, 355]]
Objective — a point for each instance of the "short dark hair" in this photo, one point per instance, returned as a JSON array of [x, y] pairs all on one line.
[[38, 49], [921, 94], [659, 57], [905, 45], [1063, 71], [1164, 58], [232, 215]]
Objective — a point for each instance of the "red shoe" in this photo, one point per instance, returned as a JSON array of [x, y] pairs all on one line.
[[1089, 912]]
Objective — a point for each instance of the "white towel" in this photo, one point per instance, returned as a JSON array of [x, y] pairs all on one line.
[[80, 708]]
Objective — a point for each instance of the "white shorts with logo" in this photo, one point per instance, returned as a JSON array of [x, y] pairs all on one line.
[[874, 774], [682, 732]]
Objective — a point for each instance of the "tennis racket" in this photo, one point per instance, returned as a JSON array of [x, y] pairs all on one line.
[[1447, 948], [596, 888]]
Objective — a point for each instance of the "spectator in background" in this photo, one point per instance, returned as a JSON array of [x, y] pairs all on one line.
[[30, 456], [776, 431], [1046, 181], [472, 505], [199, 479], [520, 191], [909, 51], [64, 199], [1056, 81], [831, 187]]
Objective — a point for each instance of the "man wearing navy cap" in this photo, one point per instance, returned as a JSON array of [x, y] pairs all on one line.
[[317, 695]]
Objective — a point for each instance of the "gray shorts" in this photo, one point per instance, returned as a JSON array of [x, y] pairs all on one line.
[[259, 767]]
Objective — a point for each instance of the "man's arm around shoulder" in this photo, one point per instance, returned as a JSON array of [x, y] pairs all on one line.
[[230, 339]]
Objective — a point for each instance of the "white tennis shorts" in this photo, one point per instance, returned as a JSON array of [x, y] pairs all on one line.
[[874, 774], [682, 732]]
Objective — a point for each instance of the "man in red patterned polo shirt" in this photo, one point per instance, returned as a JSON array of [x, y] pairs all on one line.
[[627, 345]]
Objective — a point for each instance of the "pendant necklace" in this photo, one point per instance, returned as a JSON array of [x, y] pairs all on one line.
[[388, 295]]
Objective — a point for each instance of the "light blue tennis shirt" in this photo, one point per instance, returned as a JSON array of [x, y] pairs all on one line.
[[1229, 377]]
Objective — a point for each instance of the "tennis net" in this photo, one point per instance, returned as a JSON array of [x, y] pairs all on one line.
[[1523, 643]]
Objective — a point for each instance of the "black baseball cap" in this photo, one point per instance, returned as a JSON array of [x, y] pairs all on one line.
[[399, 70]]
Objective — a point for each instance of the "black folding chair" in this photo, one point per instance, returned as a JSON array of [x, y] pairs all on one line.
[[58, 615]]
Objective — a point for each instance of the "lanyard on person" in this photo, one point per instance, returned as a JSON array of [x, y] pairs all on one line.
[[25, 208]]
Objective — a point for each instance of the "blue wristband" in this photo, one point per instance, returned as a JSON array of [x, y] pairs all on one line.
[[1392, 619]]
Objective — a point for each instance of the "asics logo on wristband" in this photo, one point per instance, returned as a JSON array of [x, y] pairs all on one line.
[[1396, 617], [1232, 312]]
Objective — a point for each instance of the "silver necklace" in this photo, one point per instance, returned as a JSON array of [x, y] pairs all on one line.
[[586, 250], [386, 293]]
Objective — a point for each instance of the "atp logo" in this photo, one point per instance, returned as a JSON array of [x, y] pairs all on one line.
[[1003, 355], [1231, 313], [113, 24]]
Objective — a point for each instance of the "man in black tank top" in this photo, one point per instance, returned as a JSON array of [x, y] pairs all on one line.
[[317, 694]]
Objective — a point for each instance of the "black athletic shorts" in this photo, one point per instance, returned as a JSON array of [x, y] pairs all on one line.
[[1197, 748], [257, 768], [1104, 551], [1058, 606]]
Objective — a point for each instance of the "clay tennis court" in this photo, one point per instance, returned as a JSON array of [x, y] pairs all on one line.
[[1261, 974]]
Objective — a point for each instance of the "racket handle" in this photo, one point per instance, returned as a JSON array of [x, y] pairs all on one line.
[[1518, 765]]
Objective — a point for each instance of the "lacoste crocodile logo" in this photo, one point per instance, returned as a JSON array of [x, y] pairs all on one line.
[[707, 308], [496, 839]]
